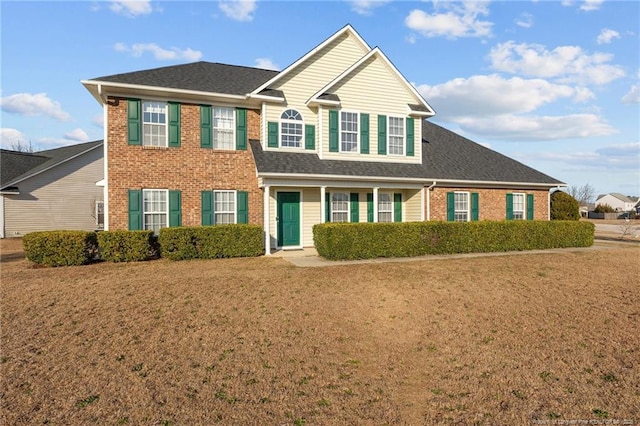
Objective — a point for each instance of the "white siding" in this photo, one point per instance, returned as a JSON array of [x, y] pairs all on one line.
[[62, 198], [412, 205]]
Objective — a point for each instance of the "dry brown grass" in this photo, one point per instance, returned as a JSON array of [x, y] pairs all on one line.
[[495, 340]]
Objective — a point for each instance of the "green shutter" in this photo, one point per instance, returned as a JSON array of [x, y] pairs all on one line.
[[355, 207], [207, 207], [451, 206], [382, 135], [333, 131], [242, 207], [134, 133], [364, 133], [509, 206], [397, 207], [529, 206], [206, 128], [369, 207], [475, 206], [272, 134], [410, 132], [174, 124], [135, 209], [175, 208], [309, 136], [241, 129], [327, 207]]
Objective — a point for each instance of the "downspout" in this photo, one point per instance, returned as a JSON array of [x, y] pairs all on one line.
[[105, 158], [429, 189]]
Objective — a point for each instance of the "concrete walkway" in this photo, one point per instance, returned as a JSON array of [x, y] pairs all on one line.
[[308, 257]]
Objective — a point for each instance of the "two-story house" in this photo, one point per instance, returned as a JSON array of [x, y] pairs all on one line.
[[339, 135]]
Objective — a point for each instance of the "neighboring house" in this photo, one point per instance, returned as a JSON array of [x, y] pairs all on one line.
[[51, 190], [620, 202], [340, 135]]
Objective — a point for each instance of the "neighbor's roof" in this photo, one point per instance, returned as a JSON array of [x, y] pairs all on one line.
[[619, 196], [445, 156], [198, 76], [17, 166]]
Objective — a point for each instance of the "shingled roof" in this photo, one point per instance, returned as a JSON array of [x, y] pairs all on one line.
[[445, 156], [198, 76], [17, 166]]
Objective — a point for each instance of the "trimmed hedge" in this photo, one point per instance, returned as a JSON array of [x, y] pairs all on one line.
[[60, 248], [127, 246], [210, 242], [343, 241]]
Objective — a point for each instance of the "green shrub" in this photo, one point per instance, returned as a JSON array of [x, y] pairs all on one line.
[[604, 208], [342, 241], [127, 246], [210, 242], [564, 207], [60, 248]]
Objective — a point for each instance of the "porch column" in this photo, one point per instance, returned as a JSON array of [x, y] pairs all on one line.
[[422, 191], [267, 220], [375, 204], [323, 195]]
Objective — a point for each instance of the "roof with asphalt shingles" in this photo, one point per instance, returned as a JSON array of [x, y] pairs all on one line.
[[19, 165], [445, 156], [198, 76]]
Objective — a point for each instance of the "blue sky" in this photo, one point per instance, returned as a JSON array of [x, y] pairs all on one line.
[[554, 84]]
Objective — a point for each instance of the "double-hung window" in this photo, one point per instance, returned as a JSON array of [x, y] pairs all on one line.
[[155, 209], [291, 124], [518, 206], [396, 135], [223, 128], [385, 207], [224, 207], [461, 202], [99, 214], [348, 131], [339, 207], [154, 124]]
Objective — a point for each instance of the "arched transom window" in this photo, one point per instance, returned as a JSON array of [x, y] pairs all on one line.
[[291, 129]]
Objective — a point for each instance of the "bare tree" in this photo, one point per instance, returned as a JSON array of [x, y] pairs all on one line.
[[585, 194], [21, 146]]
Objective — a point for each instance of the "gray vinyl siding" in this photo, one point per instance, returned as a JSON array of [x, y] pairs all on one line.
[[63, 197]]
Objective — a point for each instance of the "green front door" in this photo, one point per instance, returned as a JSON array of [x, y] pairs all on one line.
[[288, 219]]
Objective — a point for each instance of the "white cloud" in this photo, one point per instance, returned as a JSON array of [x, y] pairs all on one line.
[[566, 63], [606, 35], [30, 104], [621, 150], [365, 7], [238, 10], [611, 157], [98, 120], [525, 20], [131, 8], [78, 135], [633, 96], [591, 5], [159, 53], [267, 64], [456, 20], [476, 96], [537, 128], [11, 138]]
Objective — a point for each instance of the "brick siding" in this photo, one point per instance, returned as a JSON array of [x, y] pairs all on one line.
[[187, 168], [492, 203]]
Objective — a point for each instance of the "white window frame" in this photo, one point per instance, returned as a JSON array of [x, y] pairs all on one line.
[[145, 213], [231, 146], [462, 208], [356, 148], [234, 211], [382, 202], [344, 198], [402, 136], [99, 212], [519, 214], [291, 122], [161, 138]]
